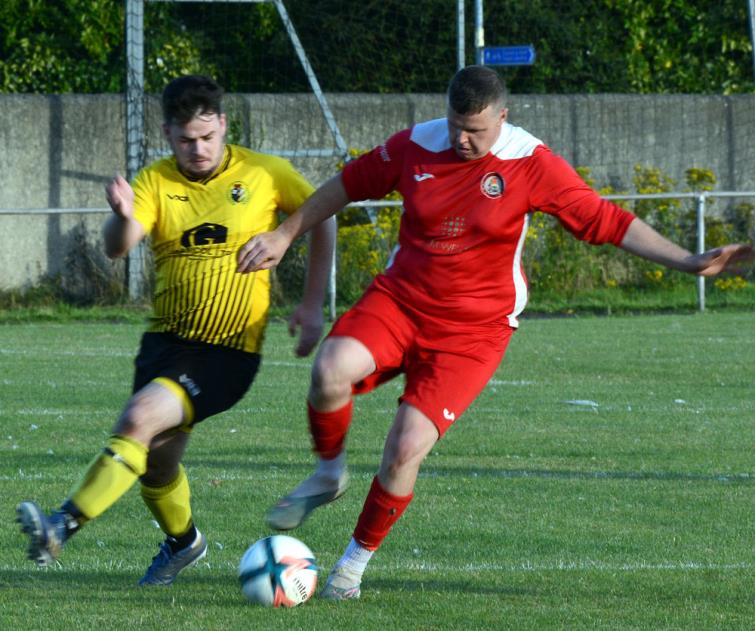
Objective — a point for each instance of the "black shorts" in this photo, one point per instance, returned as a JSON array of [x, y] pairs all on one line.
[[214, 377]]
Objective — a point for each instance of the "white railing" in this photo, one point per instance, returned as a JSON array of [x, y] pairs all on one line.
[[700, 206]]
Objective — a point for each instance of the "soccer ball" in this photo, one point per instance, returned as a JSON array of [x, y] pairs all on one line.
[[278, 571]]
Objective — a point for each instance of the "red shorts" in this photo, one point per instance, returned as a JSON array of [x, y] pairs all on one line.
[[446, 365]]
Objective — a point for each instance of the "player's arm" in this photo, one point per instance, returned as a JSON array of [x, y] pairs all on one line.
[[308, 314], [266, 250], [642, 240], [558, 190], [321, 247], [121, 232]]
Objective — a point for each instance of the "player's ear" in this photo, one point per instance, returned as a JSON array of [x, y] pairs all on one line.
[[504, 114], [166, 131], [223, 123]]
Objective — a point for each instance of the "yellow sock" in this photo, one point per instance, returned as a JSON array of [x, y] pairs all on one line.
[[109, 476], [170, 504]]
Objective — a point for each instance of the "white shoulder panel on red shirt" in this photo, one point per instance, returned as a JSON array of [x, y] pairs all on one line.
[[431, 135], [514, 142]]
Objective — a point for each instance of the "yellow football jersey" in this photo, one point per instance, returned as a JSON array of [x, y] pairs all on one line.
[[196, 230]]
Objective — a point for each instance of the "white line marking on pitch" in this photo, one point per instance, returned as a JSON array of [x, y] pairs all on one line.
[[526, 566], [578, 566]]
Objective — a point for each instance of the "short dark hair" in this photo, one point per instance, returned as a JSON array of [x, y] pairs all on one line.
[[185, 97], [473, 88]]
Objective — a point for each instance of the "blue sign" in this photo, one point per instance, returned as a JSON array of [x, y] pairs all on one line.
[[508, 55]]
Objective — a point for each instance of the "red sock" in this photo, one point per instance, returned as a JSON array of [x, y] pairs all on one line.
[[329, 429], [381, 510]]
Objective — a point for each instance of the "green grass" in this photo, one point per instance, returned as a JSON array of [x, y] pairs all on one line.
[[45, 305], [680, 298], [537, 511]]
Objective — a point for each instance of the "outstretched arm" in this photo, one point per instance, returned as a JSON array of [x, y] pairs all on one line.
[[122, 232], [642, 240], [266, 250]]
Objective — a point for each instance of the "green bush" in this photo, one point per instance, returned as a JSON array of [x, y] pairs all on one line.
[[556, 262]]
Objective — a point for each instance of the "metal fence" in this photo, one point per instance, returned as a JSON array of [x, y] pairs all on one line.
[[700, 200]]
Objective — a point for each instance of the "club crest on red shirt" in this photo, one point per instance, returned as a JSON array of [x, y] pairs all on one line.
[[492, 185]]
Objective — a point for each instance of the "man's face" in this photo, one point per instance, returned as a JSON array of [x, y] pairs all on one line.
[[198, 145], [472, 135]]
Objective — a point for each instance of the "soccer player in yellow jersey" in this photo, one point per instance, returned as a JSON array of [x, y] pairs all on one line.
[[201, 351]]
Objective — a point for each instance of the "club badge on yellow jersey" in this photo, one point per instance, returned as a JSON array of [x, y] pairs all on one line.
[[238, 193]]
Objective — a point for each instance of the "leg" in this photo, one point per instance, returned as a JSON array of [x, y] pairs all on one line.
[[440, 385], [411, 437], [148, 413], [217, 379], [151, 411], [340, 363], [165, 453], [165, 488], [146, 444], [165, 491]]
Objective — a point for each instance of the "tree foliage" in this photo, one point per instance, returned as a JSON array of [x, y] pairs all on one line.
[[675, 46], [671, 46], [60, 47], [627, 46]]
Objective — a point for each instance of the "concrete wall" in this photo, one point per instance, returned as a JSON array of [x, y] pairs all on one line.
[[59, 151]]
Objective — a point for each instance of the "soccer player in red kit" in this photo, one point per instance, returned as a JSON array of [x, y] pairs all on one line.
[[445, 308]]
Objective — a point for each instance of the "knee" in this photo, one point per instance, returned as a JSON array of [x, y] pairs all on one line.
[[329, 381], [134, 421]]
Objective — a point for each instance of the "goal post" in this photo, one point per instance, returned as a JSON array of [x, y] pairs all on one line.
[[135, 263]]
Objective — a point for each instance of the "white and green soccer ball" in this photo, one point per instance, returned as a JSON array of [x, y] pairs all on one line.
[[278, 571]]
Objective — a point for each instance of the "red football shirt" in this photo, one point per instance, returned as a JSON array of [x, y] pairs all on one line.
[[464, 223]]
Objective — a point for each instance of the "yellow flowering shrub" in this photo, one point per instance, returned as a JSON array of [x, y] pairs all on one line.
[[366, 238], [655, 276], [730, 283]]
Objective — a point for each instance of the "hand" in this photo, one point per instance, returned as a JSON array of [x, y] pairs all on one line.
[[262, 251], [728, 258], [120, 196], [311, 323]]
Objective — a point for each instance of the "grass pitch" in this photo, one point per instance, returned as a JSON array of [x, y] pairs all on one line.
[[604, 479]]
